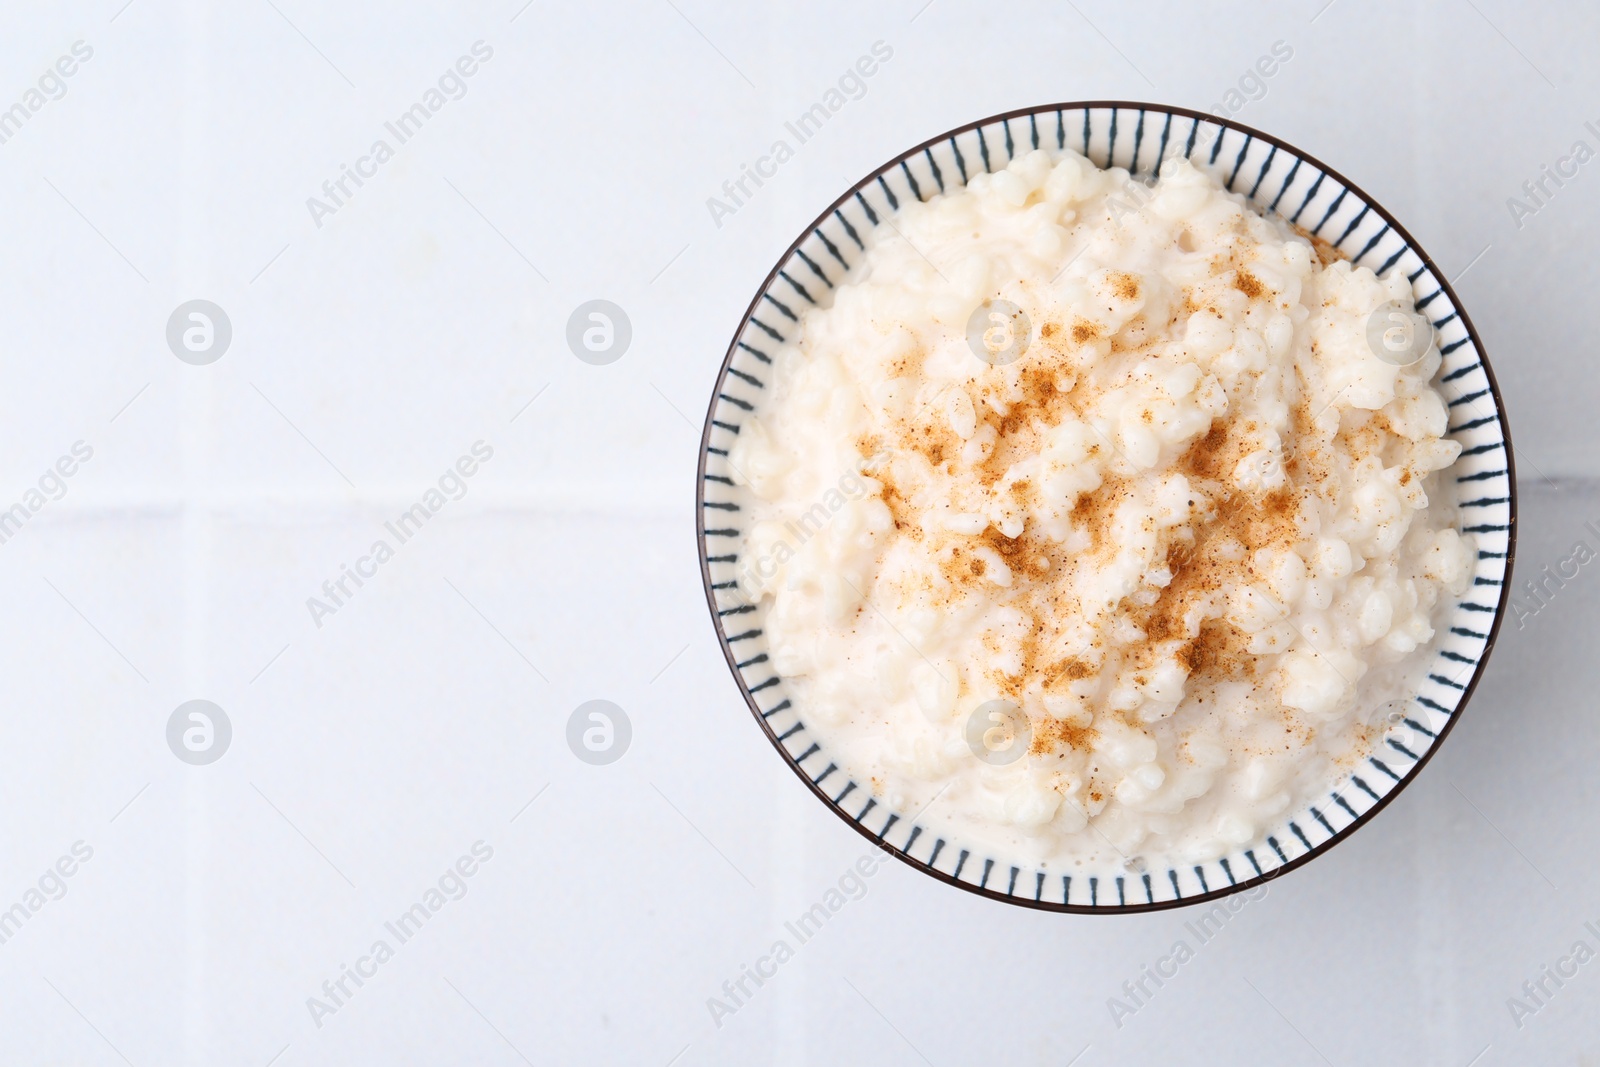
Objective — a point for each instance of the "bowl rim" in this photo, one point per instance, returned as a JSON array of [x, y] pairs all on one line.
[[1244, 884]]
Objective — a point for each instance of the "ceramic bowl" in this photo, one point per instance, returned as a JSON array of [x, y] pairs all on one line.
[[1275, 177]]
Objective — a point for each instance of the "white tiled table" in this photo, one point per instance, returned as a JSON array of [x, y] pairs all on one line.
[[371, 752]]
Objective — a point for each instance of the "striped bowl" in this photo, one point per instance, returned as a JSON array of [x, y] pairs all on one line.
[[1276, 178]]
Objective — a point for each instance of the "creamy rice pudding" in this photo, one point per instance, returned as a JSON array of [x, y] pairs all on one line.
[[1088, 508]]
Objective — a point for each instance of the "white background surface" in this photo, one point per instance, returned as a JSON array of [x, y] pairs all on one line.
[[370, 352]]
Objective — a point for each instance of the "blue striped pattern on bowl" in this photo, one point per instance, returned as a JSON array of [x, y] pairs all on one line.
[[1275, 178]]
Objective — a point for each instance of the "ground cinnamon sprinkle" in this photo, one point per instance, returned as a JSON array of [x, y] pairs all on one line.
[[1071, 669], [1327, 254], [1051, 735]]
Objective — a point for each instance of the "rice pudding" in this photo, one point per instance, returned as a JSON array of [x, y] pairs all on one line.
[[1088, 508]]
